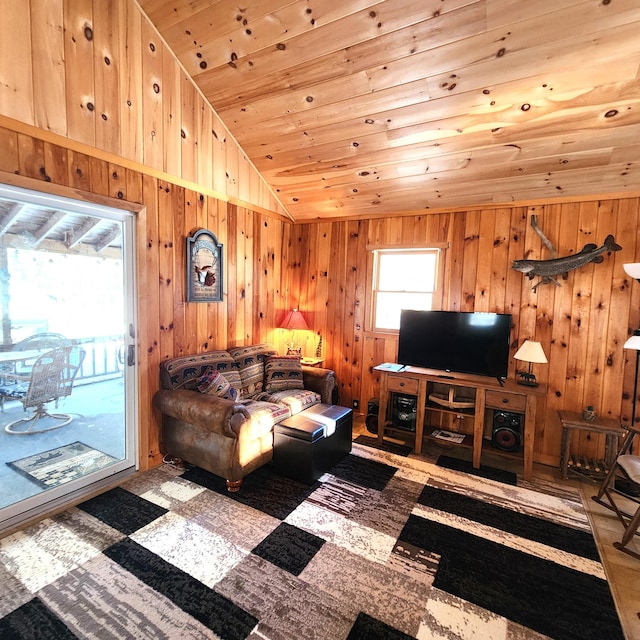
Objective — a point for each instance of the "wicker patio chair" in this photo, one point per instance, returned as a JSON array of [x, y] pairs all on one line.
[[44, 340], [52, 378]]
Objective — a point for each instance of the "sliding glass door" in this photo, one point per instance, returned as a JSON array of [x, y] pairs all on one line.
[[67, 375]]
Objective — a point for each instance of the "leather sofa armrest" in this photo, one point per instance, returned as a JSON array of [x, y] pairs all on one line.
[[322, 381], [207, 412]]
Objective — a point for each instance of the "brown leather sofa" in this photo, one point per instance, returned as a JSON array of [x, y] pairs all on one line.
[[229, 430]]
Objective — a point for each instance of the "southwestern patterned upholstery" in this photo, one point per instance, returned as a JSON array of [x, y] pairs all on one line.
[[228, 437], [282, 372], [183, 372], [250, 364]]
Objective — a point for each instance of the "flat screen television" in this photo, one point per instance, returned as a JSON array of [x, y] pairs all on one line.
[[455, 341]]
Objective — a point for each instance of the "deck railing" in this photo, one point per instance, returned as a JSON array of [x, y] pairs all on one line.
[[104, 358]]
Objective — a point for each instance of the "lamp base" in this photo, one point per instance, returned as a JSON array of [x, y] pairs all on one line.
[[294, 351], [526, 379]]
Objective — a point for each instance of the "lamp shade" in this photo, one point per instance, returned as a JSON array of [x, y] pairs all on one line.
[[632, 343], [632, 269], [531, 351], [294, 320]]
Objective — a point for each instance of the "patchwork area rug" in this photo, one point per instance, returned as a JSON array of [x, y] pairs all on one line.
[[381, 547], [499, 475], [386, 445], [63, 464]]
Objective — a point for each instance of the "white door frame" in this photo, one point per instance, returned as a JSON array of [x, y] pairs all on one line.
[[55, 498]]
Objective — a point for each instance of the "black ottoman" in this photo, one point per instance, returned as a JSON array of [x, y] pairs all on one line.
[[310, 443]]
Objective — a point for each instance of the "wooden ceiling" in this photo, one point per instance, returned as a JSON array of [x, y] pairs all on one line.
[[363, 107], [33, 227]]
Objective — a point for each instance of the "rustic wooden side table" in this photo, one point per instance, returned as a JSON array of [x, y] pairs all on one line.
[[572, 421]]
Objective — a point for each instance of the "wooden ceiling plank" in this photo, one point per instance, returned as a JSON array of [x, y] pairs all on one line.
[[501, 162], [480, 61], [107, 238], [49, 225], [472, 196], [307, 100], [254, 26], [490, 190], [603, 107], [166, 13], [427, 34], [473, 104], [11, 215], [440, 182], [75, 237], [353, 28], [528, 148], [461, 46], [301, 100], [580, 116], [501, 13], [629, 153], [613, 46]]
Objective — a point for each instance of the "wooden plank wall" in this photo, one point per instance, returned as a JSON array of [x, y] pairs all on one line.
[[98, 73], [582, 324], [253, 243]]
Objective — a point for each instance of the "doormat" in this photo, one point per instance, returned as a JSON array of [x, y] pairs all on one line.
[[55, 467]]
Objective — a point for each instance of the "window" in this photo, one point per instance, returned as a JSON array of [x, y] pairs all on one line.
[[402, 279]]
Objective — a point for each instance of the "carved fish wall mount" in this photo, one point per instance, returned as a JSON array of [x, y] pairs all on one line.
[[546, 269]]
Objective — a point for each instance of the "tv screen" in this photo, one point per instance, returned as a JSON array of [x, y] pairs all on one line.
[[462, 342]]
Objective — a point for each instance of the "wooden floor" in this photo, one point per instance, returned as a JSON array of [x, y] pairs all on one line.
[[622, 570]]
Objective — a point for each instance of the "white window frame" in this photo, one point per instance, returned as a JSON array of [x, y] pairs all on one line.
[[433, 288]]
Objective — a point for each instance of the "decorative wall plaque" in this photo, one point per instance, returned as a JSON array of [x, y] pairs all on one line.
[[204, 268]]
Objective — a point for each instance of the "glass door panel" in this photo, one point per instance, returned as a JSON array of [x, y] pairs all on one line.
[[67, 396]]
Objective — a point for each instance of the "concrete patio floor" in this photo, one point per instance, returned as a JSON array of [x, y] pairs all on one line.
[[98, 421]]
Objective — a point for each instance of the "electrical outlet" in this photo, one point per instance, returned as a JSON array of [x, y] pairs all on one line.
[[356, 404]]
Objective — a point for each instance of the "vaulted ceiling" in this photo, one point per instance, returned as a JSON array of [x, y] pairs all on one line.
[[364, 107]]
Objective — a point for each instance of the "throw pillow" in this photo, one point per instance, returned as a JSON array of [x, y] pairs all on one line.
[[216, 384], [282, 372]]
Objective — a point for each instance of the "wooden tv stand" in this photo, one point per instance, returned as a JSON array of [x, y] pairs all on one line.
[[484, 397]]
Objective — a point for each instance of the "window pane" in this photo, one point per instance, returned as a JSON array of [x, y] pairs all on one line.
[[411, 271], [389, 305]]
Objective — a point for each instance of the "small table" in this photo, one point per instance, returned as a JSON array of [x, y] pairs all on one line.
[[572, 421], [13, 357], [19, 356]]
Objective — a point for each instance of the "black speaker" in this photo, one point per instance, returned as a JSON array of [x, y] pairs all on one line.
[[372, 415], [507, 430], [404, 411]]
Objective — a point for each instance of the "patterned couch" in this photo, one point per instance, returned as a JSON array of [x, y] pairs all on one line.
[[219, 407]]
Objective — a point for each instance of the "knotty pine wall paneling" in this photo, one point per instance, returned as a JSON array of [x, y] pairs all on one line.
[[149, 326], [99, 73], [168, 326], [78, 108], [582, 323]]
